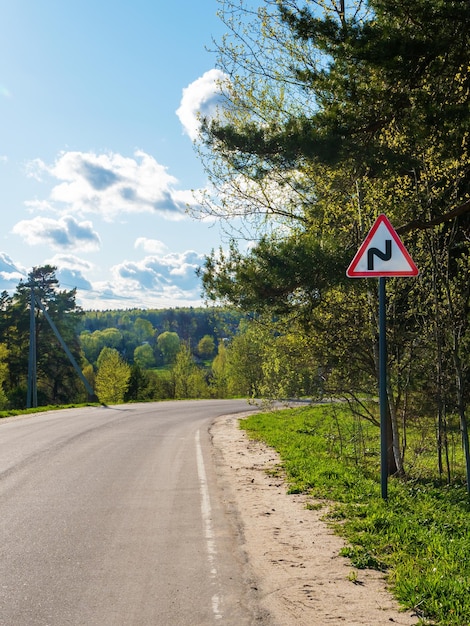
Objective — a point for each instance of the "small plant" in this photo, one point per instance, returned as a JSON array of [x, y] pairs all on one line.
[[352, 577], [362, 559], [314, 506]]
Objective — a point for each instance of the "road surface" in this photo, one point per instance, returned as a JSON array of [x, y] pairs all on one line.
[[110, 516]]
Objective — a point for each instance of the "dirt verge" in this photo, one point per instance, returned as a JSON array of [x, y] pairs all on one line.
[[294, 556]]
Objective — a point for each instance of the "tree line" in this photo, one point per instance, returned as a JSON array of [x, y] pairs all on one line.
[[124, 355], [192, 353]]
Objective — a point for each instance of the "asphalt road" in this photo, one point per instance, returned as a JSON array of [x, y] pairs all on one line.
[[111, 516]]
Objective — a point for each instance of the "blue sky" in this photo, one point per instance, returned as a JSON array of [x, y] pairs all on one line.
[[96, 165]]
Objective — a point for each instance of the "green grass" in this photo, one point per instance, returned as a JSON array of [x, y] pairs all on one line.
[[420, 536], [42, 409]]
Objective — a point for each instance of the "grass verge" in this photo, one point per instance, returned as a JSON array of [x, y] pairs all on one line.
[[43, 409], [420, 536]]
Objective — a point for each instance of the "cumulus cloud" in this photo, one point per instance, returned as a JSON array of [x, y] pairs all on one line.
[[161, 279], [63, 233], [73, 279], [153, 246], [203, 98], [71, 271], [10, 273], [110, 184], [35, 206], [162, 274], [158, 280]]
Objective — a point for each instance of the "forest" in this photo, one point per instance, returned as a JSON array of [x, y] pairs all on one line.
[[148, 354], [139, 355], [124, 355]]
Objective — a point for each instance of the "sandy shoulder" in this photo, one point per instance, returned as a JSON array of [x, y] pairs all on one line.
[[293, 556]]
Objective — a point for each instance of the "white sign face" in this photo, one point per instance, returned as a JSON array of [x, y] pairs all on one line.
[[382, 254]]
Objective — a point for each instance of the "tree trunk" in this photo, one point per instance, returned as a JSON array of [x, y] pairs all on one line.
[[395, 457], [462, 413]]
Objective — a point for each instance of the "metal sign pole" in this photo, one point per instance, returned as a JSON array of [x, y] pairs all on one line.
[[382, 254], [383, 387]]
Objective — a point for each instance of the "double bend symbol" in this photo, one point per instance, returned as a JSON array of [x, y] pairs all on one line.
[[385, 256]]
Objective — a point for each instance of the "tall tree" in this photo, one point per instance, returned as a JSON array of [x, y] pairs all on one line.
[[336, 111], [188, 378], [144, 356], [57, 381], [112, 378], [168, 343], [93, 343], [206, 347]]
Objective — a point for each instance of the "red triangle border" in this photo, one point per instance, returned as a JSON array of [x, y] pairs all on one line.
[[382, 219]]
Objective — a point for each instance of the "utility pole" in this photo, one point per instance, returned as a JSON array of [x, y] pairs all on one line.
[[65, 348], [32, 394]]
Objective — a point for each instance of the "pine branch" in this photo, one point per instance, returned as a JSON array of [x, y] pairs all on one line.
[[423, 225]]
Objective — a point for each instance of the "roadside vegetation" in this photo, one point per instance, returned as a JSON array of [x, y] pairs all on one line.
[[420, 536], [42, 409]]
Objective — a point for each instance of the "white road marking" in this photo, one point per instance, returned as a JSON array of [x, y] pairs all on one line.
[[206, 512]]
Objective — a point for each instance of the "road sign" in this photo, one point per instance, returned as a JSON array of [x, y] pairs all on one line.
[[382, 254]]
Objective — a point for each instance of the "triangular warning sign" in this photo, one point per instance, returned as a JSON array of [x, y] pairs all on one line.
[[382, 254]]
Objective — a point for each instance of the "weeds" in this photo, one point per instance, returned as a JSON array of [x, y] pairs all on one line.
[[43, 409], [420, 536]]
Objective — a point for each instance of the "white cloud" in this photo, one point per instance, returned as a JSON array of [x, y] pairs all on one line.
[[168, 281], [170, 273], [153, 246], [108, 295], [38, 205], [64, 233], [70, 261], [71, 271], [202, 98], [35, 169], [110, 184], [160, 280], [10, 273], [72, 278]]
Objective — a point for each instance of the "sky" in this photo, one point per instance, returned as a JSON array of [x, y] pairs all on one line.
[[98, 112]]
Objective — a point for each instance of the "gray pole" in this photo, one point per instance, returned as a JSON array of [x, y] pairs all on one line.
[[383, 387], [66, 350], [32, 396]]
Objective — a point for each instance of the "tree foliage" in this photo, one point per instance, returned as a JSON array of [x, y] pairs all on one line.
[[188, 379], [206, 347], [169, 344], [57, 381], [93, 343], [335, 112], [144, 356], [112, 378]]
